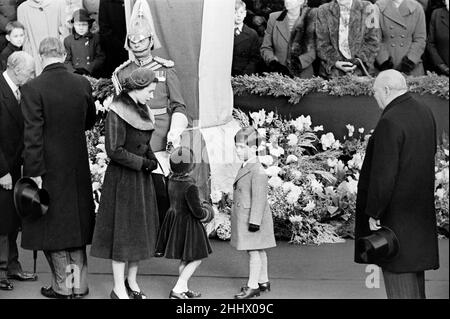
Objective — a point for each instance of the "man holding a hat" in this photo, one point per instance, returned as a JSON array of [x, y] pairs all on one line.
[[20, 69], [395, 197], [58, 107]]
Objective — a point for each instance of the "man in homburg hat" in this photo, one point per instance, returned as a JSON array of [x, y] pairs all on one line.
[[396, 187], [57, 108], [19, 70], [167, 105]]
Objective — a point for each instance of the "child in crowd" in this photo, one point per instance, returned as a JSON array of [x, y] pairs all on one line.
[[251, 219], [182, 235], [84, 53], [15, 35]]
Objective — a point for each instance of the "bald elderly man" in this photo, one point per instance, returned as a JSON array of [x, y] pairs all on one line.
[[396, 186]]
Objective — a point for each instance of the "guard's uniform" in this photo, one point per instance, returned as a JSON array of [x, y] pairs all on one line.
[[167, 98]]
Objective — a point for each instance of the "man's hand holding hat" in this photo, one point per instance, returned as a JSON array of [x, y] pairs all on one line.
[[37, 180], [6, 182]]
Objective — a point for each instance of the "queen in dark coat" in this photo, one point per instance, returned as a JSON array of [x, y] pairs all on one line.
[[127, 222]]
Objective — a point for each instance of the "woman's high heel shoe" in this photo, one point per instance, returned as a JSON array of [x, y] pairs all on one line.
[[113, 295], [265, 286], [134, 294]]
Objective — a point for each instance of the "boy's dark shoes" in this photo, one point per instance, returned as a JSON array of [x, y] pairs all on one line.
[[407, 65], [265, 286], [253, 228], [247, 293]]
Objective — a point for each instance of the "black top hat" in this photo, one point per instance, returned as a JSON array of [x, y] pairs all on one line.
[[30, 201], [181, 160], [81, 15], [381, 246]]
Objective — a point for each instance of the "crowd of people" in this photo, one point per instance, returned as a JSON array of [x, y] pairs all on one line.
[[151, 204], [331, 38]]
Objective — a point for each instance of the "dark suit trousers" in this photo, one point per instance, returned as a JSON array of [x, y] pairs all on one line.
[[69, 270], [404, 285], [14, 266], [4, 252]]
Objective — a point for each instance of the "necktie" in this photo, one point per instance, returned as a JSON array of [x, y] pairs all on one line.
[[17, 93]]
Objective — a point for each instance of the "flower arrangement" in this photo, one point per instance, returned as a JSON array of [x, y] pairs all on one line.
[[313, 181], [312, 176]]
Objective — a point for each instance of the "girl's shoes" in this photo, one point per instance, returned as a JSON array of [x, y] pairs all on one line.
[[193, 294], [134, 294], [265, 286], [176, 295], [247, 293]]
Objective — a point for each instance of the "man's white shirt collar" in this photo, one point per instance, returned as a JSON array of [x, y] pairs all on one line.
[[11, 84]]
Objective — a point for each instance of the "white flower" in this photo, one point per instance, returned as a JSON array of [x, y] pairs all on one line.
[[440, 193], [318, 128], [327, 140], [292, 197], [292, 139], [287, 186], [316, 186], [446, 152], [361, 130], [340, 166], [101, 147], [352, 186], [262, 132], [269, 118], [336, 145], [291, 159], [96, 186], [276, 150], [310, 206], [296, 174], [275, 182], [302, 123], [332, 162], [351, 129], [267, 160], [356, 161], [273, 171], [329, 190], [101, 140], [296, 219], [101, 155], [258, 117], [216, 196]]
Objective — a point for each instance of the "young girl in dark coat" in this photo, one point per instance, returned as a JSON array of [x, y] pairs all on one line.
[[84, 53], [182, 235], [127, 221]]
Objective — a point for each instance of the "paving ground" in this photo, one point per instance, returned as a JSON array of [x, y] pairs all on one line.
[[296, 272]]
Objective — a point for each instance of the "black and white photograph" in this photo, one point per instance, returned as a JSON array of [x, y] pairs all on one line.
[[220, 150]]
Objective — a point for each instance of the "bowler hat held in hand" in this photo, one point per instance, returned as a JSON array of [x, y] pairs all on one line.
[[31, 202], [381, 246]]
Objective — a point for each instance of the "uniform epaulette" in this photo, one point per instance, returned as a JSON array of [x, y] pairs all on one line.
[[164, 62], [115, 78]]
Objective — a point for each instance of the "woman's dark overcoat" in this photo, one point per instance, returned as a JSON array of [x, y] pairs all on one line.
[[127, 220]]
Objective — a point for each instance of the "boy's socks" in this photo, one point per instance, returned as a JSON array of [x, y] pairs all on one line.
[[263, 274], [255, 268]]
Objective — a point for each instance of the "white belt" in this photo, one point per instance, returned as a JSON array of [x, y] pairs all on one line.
[[159, 111]]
